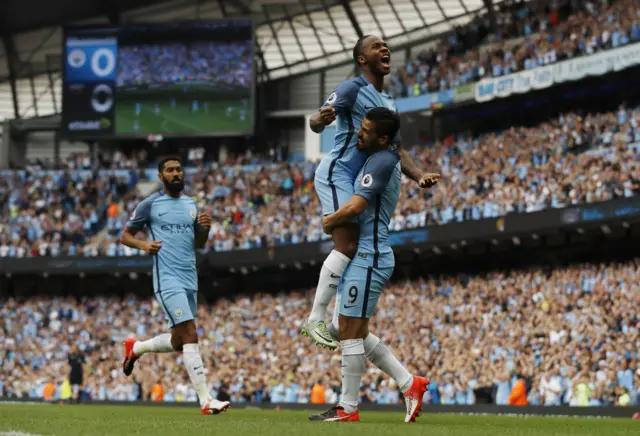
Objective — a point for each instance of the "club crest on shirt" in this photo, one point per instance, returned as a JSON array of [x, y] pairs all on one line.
[[367, 180], [192, 212], [178, 312]]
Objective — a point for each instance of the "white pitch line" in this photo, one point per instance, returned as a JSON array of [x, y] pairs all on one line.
[[17, 433]]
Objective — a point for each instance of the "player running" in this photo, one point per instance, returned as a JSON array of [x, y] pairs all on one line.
[[376, 193], [335, 175], [176, 229]]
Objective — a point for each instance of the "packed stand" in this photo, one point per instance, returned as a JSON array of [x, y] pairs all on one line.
[[570, 160], [215, 62], [56, 214], [545, 35], [567, 335]]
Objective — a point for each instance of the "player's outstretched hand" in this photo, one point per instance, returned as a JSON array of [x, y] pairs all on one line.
[[429, 180], [204, 220], [153, 247], [327, 115]]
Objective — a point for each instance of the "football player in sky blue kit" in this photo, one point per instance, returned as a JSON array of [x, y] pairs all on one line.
[[176, 229], [376, 193], [335, 175]]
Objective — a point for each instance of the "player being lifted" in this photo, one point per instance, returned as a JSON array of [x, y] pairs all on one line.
[[375, 197], [335, 175], [177, 229]]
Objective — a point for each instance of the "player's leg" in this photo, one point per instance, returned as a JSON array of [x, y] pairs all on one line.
[[185, 337], [359, 294], [412, 387], [133, 348], [345, 246]]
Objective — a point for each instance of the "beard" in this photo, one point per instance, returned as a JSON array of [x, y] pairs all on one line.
[[175, 187]]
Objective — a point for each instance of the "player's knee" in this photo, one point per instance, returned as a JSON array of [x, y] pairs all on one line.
[[184, 333], [351, 249], [176, 341], [346, 240], [348, 248], [190, 334], [352, 328]]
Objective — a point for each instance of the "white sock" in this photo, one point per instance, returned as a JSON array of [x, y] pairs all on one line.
[[383, 358], [332, 269], [352, 369], [195, 368], [335, 320], [159, 344]]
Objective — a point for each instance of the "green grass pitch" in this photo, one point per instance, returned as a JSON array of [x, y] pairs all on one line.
[[179, 118], [141, 420]]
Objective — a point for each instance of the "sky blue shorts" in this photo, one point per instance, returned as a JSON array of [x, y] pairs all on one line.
[[179, 305], [360, 289], [333, 195]]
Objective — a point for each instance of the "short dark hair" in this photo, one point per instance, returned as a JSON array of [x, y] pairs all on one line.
[[387, 121], [358, 49], [166, 159]]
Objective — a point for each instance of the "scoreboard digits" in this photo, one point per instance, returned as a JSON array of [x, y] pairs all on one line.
[[90, 79]]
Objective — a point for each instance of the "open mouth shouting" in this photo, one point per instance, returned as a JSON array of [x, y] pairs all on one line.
[[385, 61]]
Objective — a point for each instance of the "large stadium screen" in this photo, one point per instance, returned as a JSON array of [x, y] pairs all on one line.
[[174, 79]]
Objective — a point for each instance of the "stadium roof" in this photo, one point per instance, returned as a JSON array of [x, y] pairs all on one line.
[[293, 36]]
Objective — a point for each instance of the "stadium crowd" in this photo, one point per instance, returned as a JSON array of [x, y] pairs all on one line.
[[570, 160], [528, 35], [566, 334], [226, 63]]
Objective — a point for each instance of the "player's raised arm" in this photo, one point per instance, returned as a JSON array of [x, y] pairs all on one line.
[[322, 119], [137, 222], [340, 100], [203, 225], [411, 169], [415, 173]]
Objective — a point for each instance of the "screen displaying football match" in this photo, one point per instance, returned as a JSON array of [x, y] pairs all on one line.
[[175, 79]]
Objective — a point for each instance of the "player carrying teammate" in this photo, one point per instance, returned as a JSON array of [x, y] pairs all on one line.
[[335, 175], [376, 193], [176, 229]]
